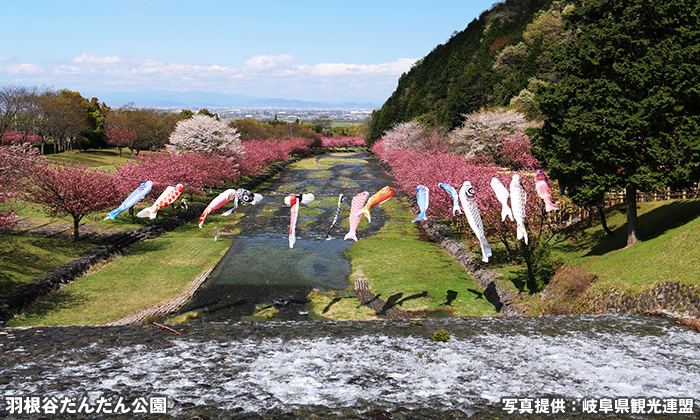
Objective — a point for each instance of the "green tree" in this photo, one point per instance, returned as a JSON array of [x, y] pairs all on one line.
[[252, 129], [626, 111], [208, 113], [63, 117], [151, 127], [95, 133]]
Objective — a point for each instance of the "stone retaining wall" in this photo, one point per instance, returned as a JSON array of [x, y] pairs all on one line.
[[675, 297], [163, 310]]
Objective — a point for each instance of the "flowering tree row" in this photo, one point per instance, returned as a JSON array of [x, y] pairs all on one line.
[[411, 168], [259, 154], [195, 171], [342, 141], [16, 137], [67, 190]]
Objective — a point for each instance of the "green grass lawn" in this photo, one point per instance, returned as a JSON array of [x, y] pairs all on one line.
[[101, 159], [152, 272], [670, 233], [412, 273]]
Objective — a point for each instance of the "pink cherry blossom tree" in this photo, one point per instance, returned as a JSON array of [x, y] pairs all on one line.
[[17, 162], [342, 141], [7, 215], [259, 154], [195, 171], [482, 131], [514, 153], [120, 137], [72, 190], [411, 167]]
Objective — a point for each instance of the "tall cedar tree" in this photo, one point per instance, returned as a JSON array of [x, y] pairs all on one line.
[[625, 114]]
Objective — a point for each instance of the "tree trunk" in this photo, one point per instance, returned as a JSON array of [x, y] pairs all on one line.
[[531, 283], [76, 229], [603, 221], [632, 223]]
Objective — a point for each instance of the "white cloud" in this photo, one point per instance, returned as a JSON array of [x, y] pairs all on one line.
[[267, 62], [261, 75], [95, 59], [25, 68]]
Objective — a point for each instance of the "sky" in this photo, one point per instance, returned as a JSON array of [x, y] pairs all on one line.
[[339, 51]]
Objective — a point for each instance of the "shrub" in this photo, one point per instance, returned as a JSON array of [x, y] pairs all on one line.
[[566, 289], [441, 336]]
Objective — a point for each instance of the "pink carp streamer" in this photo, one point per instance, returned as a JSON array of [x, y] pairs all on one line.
[[217, 203], [543, 190], [358, 201], [240, 195], [294, 202], [167, 198]]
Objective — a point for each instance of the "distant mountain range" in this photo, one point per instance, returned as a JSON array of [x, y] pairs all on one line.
[[200, 99]]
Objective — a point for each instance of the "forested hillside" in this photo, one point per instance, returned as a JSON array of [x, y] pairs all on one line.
[[489, 63]]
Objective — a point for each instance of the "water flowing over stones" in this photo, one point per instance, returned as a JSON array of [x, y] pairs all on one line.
[[391, 368]]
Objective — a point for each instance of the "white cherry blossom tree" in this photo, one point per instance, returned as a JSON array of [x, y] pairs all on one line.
[[206, 134]]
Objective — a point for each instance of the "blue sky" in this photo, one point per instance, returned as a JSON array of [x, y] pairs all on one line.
[[296, 49]]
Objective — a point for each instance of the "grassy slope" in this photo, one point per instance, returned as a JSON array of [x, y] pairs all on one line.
[[152, 272], [670, 232], [23, 258]]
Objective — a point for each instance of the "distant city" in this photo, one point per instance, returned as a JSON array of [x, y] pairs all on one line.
[[235, 106], [348, 116]]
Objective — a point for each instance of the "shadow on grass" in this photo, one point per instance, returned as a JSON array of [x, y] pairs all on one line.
[[59, 300], [397, 299], [651, 225], [150, 246], [452, 295], [478, 294], [336, 300], [7, 284], [518, 276]]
